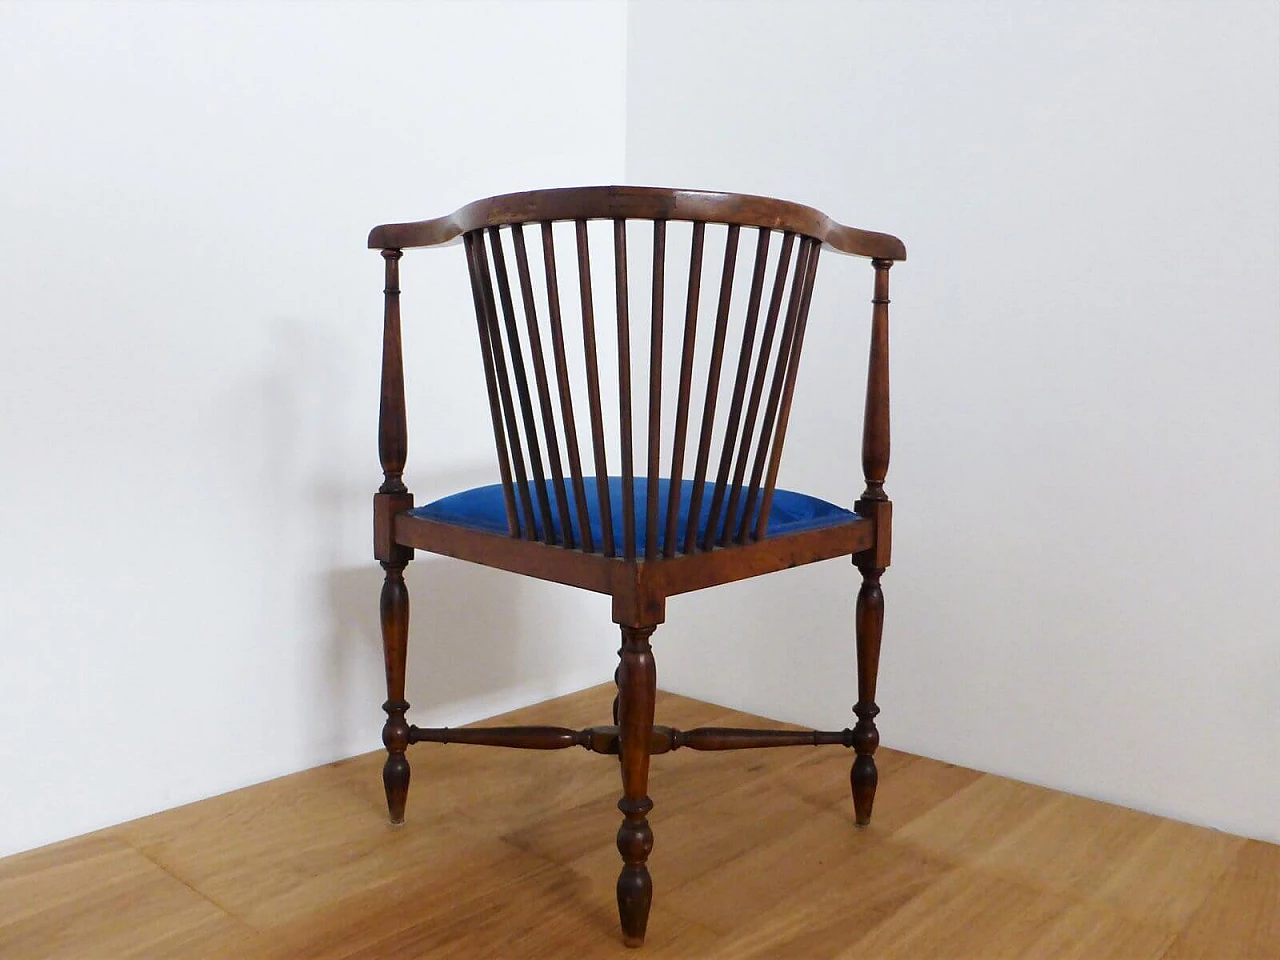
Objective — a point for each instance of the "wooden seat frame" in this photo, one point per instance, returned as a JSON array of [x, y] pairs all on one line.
[[638, 585]]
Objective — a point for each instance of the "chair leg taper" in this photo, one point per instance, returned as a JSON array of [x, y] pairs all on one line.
[[637, 688], [870, 624], [394, 610]]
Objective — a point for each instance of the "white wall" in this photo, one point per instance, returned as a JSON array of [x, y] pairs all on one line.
[[188, 380], [1086, 363]]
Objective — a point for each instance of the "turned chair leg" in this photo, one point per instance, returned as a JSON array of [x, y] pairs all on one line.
[[637, 687], [394, 609], [870, 616]]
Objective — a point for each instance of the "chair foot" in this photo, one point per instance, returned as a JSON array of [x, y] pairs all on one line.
[[395, 772], [637, 688], [864, 777], [635, 885], [395, 780]]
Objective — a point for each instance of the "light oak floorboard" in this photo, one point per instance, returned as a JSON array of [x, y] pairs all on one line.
[[1241, 915], [510, 853]]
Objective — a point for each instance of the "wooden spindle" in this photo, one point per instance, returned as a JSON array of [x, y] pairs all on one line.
[[544, 390], [527, 526], [516, 738], [392, 498], [739, 388], [491, 384], [686, 380], [562, 380], [731, 522], [593, 389], [606, 739], [522, 390], [875, 425], [393, 431], [767, 422], [393, 609], [788, 390], [735, 738], [713, 387], [655, 389], [624, 389], [874, 505]]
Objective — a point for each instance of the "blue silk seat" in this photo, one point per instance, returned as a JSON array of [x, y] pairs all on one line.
[[483, 508]]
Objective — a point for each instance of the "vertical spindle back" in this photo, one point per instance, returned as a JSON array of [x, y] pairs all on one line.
[[552, 455], [681, 395]]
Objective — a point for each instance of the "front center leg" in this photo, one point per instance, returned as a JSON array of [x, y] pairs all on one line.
[[637, 689]]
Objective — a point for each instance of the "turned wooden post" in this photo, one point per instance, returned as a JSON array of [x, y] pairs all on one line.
[[875, 424], [393, 431], [393, 498], [874, 505], [637, 688], [394, 616]]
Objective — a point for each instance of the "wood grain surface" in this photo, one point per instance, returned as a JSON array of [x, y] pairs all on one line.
[[512, 854]]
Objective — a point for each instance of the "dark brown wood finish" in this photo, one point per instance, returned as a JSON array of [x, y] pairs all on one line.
[[394, 618], [507, 409], [391, 500], [870, 624], [713, 385], [638, 203], [739, 390], [612, 575], [748, 524], [593, 388], [875, 505], [549, 534], [875, 430], [792, 368], [491, 384], [655, 388], [731, 528], [637, 688], [623, 311], [522, 390], [686, 380], [393, 429], [605, 739], [562, 380], [544, 392]]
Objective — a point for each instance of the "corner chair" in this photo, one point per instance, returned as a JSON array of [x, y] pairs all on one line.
[[655, 510]]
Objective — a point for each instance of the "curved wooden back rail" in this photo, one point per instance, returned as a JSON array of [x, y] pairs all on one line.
[[527, 320], [638, 203]]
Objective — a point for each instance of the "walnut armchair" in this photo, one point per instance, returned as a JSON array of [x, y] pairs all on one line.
[[653, 528]]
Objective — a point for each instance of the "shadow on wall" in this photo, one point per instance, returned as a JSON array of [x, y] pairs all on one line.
[[464, 638], [463, 628], [789, 631], [315, 409]]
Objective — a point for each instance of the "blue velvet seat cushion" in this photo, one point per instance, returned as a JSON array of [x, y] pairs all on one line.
[[482, 508]]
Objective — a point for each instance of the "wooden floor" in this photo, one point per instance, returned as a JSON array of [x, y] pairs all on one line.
[[511, 854]]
